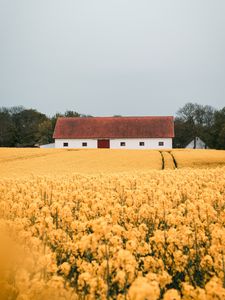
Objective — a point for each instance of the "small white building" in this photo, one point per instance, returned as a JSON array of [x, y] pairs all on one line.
[[114, 132], [51, 145], [196, 143]]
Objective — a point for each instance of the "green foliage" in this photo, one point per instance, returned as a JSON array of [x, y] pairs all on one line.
[[21, 127], [219, 129], [6, 129], [203, 121], [45, 131], [26, 127]]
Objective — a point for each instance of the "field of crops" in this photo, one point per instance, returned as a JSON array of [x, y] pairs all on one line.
[[23, 162], [100, 224], [199, 158]]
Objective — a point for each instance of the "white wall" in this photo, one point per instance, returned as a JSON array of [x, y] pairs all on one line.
[[75, 143], [115, 143], [52, 145], [134, 143]]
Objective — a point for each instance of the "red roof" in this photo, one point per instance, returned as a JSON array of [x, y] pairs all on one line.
[[114, 127]]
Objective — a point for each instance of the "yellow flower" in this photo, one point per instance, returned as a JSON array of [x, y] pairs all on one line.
[[142, 289], [171, 295], [65, 268]]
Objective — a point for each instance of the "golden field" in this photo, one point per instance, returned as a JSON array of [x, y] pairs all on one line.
[[19, 162], [23, 162], [110, 224], [199, 158]]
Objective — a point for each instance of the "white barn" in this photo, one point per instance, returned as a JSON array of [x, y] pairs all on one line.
[[114, 132], [196, 143]]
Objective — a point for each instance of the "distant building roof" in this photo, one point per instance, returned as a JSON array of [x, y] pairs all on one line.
[[114, 127]]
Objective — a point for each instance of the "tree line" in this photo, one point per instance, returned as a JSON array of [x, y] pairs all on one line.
[[204, 121], [21, 127]]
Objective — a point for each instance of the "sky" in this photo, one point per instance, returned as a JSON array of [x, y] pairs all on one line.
[[110, 57]]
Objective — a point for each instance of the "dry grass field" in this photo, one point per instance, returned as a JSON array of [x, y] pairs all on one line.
[[102, 224]]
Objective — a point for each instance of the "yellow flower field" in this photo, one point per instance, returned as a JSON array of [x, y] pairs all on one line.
[[124, 229]]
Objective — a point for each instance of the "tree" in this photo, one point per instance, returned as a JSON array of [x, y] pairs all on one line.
[[45, 132], [218, 129], [71, 113], [194, 120], [7, 129], [20, 127], [184, 132], [26, 124], [200, 115]]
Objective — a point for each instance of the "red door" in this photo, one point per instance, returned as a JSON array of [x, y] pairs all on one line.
[[103, 143]]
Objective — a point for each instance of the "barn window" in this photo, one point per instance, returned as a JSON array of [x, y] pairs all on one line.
[[65, 144], [161, 143], [84, 144], [122, 144], [141, 143]]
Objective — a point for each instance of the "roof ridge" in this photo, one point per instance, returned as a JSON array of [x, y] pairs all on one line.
[[116, 117]]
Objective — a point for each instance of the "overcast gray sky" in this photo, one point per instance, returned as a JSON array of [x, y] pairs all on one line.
[[106, 57]]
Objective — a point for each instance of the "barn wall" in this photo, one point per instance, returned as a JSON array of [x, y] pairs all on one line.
[[75, 143], [115, 143], [134, 143]]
